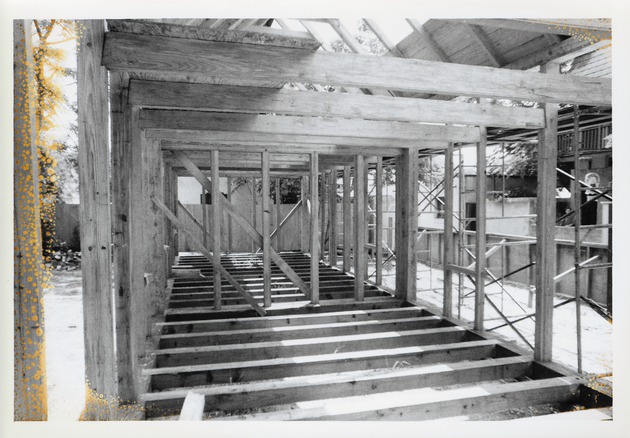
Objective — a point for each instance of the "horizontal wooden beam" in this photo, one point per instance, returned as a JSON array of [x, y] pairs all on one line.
[[556, 27], [166, 95], [306, 126], [560, 52], [203, 59], [259, 35], [237, 141]]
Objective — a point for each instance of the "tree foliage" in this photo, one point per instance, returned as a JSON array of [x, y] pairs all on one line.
[[48, 68]]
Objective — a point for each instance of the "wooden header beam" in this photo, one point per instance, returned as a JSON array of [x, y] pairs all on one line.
[[200, 59], [306, 126], [208, 97], [258, 36], [238, 141]]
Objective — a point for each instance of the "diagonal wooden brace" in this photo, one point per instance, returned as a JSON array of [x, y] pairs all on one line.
[[179, 225], [244, 223], [285, 220]]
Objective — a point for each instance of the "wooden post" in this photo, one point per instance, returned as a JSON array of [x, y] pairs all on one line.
[[347, 219], [323, 214], [359, 227], [406, 223], [30, 392], [96, 240], [146, 237], [314, 166], [174, 207], [332, 208], [577, 247], [276, 239], [480, 241], [379, 220], [216, 228], [545, 227], [121, 167], [229, 219], [204, 215], [304, 215], [449, 252], [254, 211], [266, 230], [366, 214]]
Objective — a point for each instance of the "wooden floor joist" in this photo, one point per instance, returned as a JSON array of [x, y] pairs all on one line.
[[340, 360]]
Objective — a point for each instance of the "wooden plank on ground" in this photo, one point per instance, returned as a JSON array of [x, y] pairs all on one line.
[[195, 58], [427, 403], [349, 383], [171, 377]]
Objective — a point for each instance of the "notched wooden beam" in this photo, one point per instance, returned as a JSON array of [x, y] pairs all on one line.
[[258, 35]]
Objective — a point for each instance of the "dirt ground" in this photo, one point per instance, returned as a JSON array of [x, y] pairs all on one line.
[[65, 363], [513, 301], [65, 351]]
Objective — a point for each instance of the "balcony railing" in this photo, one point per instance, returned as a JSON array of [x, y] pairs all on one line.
[[591, 139]]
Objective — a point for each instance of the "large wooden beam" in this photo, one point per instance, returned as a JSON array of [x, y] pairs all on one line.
[[256, 100], [545, 228], [258, 36], [308, 126], [195, 58], [30, 390], [121, 174], [238, 141], [406, 224], [96, 238]]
